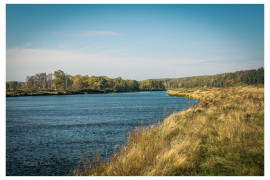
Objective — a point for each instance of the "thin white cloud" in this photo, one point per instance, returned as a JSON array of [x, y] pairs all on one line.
[[89, 33], [26, 61]]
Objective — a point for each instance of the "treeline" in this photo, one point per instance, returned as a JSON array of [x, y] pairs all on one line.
[[248, 77], [62, 81]]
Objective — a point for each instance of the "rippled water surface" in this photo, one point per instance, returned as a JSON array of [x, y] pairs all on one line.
[[46, 135]]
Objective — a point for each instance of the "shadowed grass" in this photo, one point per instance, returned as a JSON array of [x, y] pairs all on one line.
[[223, 135]]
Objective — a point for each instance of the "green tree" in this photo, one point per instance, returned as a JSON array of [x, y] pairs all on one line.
[[77, 83], [59, 81]]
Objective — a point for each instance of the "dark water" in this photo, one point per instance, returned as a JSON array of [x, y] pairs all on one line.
[[46, 135]]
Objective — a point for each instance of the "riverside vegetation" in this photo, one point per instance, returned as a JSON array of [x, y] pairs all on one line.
[[222, 135], [60, 83]]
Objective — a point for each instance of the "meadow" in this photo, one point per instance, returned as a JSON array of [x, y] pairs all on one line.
[[222, 136]]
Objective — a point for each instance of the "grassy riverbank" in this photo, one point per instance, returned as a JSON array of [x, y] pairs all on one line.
[[28, 92], [223, 135], [40, 92], [44, 92]]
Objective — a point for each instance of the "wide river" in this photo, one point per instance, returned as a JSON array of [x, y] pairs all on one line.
[[47, 135]]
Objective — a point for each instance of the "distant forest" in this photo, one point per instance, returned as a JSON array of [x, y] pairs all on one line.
[[62, 81], [248, 77]]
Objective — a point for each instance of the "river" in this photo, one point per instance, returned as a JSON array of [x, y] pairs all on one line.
[[47, 135]]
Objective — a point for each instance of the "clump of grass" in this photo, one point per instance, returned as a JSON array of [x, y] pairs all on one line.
[[223, 135]]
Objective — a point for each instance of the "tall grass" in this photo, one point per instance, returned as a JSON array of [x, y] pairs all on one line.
[[223, 135]]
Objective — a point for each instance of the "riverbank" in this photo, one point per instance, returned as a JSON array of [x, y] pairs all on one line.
[[223, 135], [27, 92]]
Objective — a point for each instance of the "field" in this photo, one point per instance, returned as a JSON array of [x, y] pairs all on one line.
[[223, 136]]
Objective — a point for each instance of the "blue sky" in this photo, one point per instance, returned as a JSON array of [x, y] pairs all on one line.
[[133, 41]]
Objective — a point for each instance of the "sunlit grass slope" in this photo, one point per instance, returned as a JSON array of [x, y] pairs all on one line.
[[223, 135]]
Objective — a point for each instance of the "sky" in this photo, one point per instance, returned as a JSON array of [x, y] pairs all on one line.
[[133, 41]]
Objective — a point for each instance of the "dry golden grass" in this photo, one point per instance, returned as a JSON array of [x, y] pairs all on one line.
[[223, 135]]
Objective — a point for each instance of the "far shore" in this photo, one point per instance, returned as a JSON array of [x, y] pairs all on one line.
[[22, 92]]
